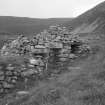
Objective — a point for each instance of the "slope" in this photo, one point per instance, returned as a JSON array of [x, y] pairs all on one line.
[[91, 21], [82, 84], [23, 25]]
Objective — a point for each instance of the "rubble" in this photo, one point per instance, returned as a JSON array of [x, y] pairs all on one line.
[[55, 45]]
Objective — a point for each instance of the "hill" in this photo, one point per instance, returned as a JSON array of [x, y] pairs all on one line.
[[23, 25], [12, 26], [92, 21]]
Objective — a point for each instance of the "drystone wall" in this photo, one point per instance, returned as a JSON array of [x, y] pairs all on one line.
[[11, 74], [55, 45]]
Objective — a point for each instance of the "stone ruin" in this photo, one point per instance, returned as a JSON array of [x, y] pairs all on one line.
[[55, 45]]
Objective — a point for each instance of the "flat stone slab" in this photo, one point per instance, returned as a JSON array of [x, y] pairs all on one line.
[[74, 68], [22, 92]]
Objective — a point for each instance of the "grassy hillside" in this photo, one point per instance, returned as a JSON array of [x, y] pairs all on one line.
[[81, 83], [25, 25], [12, 26], [91, 21]]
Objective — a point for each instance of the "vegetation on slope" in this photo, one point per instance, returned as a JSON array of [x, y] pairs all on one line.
[[23, 25], [82, 83], [91, 21]]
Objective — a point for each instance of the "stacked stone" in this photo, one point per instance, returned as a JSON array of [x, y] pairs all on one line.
[[37, 66], [54, 46], [64, 55], [40, 57], [11, 74], [8, 78], [54, 38], [55, 41]]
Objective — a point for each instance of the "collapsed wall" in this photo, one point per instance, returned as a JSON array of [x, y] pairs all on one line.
[[11, 74], [53, 46]]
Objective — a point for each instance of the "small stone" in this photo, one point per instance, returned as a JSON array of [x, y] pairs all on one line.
[[1, 67], [40, 69], [10, 64], [36, 71], [23, 66], [74, 68], [7, 85], [1, 90], [63, 59], [15, 77], [1, 73], [24, 74], [22, 92], [9, 73], [71, 56], [28, 72], [10, 68], [2, 78], [23, 69], [1, 85], [41, 64], [30, 65], [13, 81], [34, 62], [8, 79], [15, 73]]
